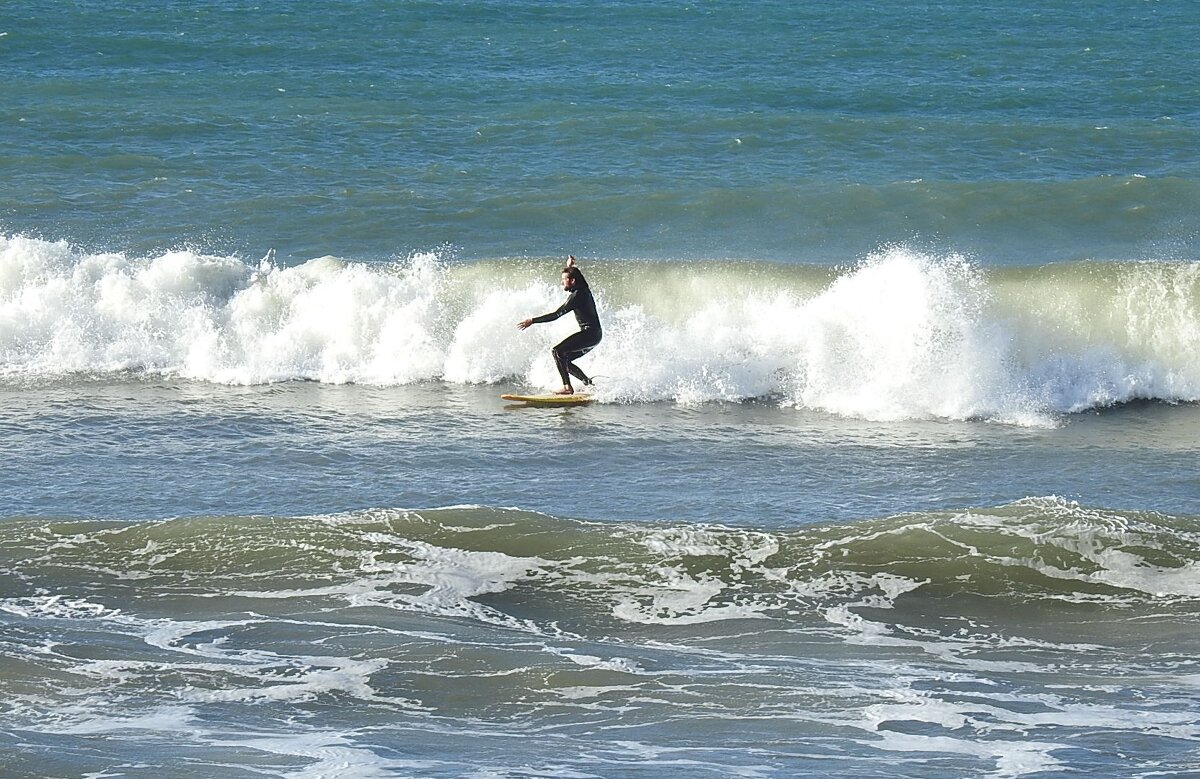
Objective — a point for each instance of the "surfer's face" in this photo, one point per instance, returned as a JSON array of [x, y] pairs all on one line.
[[568, 282]]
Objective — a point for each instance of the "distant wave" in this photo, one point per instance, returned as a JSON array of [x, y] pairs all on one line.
[[900, 335]]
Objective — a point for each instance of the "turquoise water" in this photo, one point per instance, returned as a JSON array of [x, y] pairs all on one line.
[[892, 469], [1020, 134]]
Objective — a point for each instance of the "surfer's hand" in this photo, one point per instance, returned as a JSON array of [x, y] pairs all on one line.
[[570, 260], [524, 323]]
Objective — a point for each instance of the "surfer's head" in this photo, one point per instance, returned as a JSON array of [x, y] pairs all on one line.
[[573, 279]]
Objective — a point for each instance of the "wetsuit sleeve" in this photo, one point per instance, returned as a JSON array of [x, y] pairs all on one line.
[[566, 307]]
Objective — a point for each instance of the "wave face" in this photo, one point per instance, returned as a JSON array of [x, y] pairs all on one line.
[[998, 642], [540, 573], [901, 335]]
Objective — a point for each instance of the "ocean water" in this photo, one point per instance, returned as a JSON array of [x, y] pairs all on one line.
[[893, 466]]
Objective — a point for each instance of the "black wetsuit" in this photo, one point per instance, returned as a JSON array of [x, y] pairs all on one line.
[[578, 344]]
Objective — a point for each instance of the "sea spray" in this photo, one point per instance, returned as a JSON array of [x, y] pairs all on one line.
[[906, 336]]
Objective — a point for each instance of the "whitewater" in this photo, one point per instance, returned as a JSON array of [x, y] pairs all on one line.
[[900, 334]]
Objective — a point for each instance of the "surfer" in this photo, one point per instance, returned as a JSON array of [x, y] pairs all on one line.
[[578, 344]]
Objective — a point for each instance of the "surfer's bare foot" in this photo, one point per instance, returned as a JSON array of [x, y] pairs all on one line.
[[564, 391]]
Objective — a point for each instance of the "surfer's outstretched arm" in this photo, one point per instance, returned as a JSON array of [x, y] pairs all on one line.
[[572, 281], [566, 307]]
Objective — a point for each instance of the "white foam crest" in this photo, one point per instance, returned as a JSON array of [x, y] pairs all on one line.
[[331, 321], [907, 335], [1124, 332], [453, 577], [903, 335], [214, 318], [746, 549], [667, 593], [487, 347], [431, 579], [726, 351], [1108, 549], [678, 598]]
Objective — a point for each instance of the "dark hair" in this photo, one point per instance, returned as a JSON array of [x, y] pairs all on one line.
[[574, 273]]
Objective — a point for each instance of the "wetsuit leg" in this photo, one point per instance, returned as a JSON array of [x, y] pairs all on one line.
[[574, 370], [570, 349]]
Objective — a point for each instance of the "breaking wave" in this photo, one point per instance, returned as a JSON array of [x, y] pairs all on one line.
[[900, 335]]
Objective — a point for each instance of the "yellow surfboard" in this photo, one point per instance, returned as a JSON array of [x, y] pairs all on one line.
[[578, 399]]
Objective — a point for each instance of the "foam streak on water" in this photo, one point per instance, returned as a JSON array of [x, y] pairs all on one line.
[[900, 335]]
